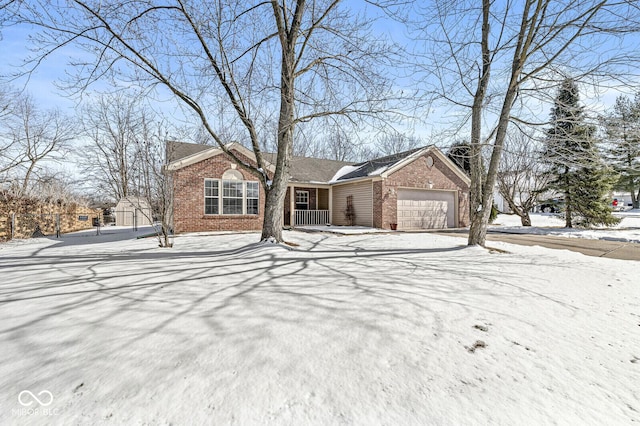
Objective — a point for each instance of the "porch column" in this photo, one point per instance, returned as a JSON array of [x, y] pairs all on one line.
[[331, 204], [292, 205]]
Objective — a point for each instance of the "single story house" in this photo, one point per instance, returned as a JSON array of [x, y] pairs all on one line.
[[412, 190]]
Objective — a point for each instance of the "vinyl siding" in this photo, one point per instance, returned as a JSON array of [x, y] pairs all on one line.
[[362, 193]]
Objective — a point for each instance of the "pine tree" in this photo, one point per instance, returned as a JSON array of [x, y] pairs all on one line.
[[623, 148], [575, 163], [460, 153]]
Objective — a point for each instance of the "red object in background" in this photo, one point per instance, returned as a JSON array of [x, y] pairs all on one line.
[[615, 202]]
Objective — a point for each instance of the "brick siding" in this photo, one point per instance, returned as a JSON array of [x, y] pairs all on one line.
[[417, 175], [188, 198]]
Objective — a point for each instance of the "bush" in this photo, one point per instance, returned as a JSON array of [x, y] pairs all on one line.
[[494, 213]]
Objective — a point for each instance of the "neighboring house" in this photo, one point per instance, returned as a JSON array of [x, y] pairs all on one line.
[[133, 211], [417, 189]]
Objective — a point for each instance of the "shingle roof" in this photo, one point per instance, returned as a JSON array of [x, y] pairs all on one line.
[[378, 165], [177, 150], [305, 169], [313, 170]]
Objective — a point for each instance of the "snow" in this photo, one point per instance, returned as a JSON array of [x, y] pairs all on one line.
[[369, 329], [550, 224], [344, 230], [378, 171], [344, 170]]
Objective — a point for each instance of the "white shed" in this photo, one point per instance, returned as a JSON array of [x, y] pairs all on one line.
[[133, 211]]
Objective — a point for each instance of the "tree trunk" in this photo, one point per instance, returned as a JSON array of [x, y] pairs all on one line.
[[478, 229], [568, 219], [525, 219], [635, 202], [27, 176], [480, 219], [273, 212], [477, 211], [276, 192]]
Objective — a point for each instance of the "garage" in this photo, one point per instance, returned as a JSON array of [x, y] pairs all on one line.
[[424, 209]]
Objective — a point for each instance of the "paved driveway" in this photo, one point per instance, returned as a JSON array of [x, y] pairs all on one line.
[[599, 248]]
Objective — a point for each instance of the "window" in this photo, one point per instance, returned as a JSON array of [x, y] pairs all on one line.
[[253, 198], [302, 200], [231, 197], [211, 197]]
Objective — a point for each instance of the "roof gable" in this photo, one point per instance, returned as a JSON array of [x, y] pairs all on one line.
[[376, 166], [199, 155], [384, 166], [312, 170], [432, 150]]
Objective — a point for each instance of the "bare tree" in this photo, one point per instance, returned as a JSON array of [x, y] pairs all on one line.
[[112, 126], [55, 187], [521, 176], [228, 62], [6, 95], [338, 145], [390, 143], [126, 156], [9, 158], [153, 183], [488, 57], [35, 136]]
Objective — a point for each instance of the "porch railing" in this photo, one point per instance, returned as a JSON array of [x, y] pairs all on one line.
[[311, 217]]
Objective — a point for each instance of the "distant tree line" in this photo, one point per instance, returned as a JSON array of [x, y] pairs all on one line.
[[574, 159]]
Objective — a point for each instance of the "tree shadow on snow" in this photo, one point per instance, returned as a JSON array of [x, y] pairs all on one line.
[[241, 295]]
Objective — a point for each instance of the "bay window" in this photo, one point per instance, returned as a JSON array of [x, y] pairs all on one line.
[[231, 197]]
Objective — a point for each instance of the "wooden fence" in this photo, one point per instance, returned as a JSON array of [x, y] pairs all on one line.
[[29, 218]]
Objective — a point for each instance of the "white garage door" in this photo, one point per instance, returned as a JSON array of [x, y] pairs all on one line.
[[422, 209]]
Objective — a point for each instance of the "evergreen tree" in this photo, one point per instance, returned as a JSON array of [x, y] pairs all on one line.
[[575, 163], [460, 154], [623, 149]]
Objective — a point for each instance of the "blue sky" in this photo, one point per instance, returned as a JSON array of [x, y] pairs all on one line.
[[42, 83]]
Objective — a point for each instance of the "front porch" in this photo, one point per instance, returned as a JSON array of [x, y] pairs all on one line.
[[309, 205]]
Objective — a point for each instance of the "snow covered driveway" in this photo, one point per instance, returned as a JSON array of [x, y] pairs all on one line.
[[365, 329]]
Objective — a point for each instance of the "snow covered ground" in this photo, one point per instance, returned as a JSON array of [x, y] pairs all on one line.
[[550, 224], [360, 329], [344, 230]]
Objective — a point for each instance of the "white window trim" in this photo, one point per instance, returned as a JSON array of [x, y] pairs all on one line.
[[246, 197], [221, 197], [296, 202], [204, 191], [243, 199]]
